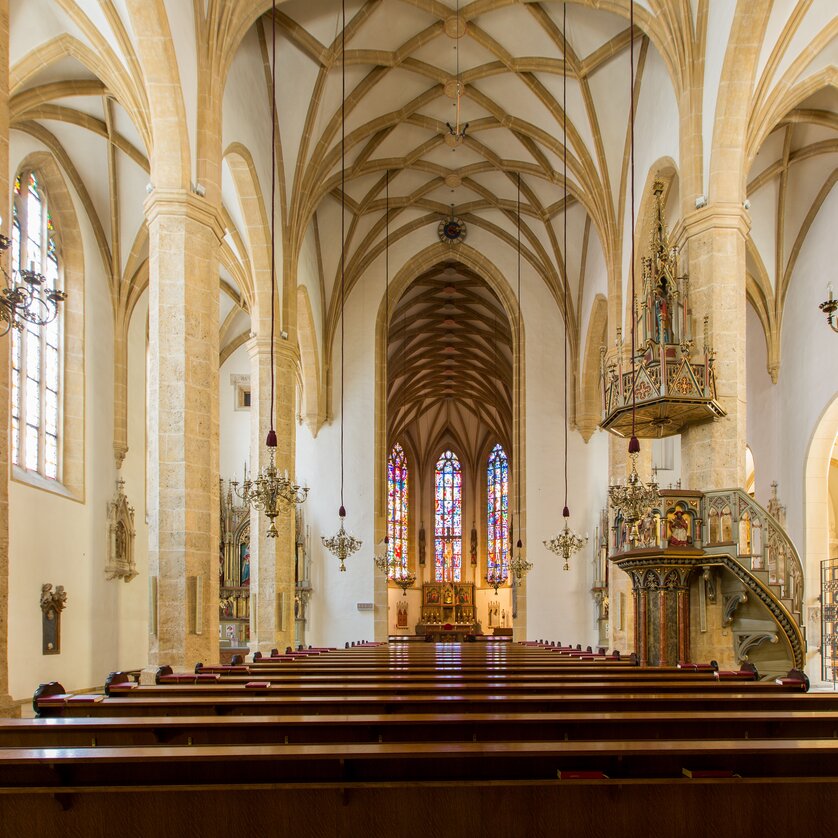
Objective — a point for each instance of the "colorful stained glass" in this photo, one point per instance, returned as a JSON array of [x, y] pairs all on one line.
[[498, 513], [448, 519], [397, 506]]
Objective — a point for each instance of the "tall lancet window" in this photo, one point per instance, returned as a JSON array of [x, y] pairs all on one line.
[[498, 513], [36, 351], [448, 519], [397, 506]]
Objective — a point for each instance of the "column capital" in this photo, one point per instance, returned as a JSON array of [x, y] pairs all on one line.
[[180, 203], [716, 216], [283, 349]]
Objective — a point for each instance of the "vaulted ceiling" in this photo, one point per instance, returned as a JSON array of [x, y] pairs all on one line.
[[450, 365]]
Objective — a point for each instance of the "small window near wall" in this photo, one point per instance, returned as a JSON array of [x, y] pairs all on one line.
[[36, 350], [750, 474], [448, 519], [497, 543], [397, 506]]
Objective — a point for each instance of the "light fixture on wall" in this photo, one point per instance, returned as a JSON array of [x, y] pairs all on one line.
[[567, 542], [519, 565], [342, 544], [271, 492], [27, 298], [829, 306], [634, 499]]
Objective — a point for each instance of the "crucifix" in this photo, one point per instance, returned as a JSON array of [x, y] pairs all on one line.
[[448, 557]]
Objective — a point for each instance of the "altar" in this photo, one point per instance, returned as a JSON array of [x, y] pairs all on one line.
[[448, 611]]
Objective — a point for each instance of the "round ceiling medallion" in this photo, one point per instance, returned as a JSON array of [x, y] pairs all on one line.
[[455, 26], [453, 180], [452, 87], [451, 230]]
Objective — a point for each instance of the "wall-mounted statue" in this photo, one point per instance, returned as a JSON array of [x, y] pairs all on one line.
[[421, 544], [53, 603], [473, 544], [121, 535]]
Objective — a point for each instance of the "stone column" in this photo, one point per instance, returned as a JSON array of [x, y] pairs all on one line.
[[713, 454], [6, 706], [272, 559], [184, 235]]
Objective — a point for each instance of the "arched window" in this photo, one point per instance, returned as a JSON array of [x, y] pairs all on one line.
[[448, 519], [37, 350], [498, 513], [397, 513]]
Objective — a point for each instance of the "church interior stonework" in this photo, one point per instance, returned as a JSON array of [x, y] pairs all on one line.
[[421, 417]]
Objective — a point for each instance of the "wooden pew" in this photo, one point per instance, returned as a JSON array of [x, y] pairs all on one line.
[[478, 727]]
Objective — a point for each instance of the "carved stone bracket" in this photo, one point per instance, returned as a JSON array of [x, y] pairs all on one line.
[[746, 643], [121, 536], [731, 603]]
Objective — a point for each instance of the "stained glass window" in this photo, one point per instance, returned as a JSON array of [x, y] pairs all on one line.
[[397, 512], [36, 351], [448, 519], [498, 513]]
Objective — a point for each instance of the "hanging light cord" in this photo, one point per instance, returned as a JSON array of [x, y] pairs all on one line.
[[519, 544], [565, 510], [271, 440], [387, 314], [342, 510], [634, 444]]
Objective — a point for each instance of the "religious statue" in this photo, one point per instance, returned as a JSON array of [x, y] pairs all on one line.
[[448, 558], [679, 530], [121, 534], [421, 544], [473, 544]]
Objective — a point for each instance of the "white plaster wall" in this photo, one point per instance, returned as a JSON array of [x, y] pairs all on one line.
[[234, 425], [64, 542], [333, 614], [784, 418], [559, 602]]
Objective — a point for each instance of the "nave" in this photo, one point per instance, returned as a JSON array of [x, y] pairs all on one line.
[[345, 741]]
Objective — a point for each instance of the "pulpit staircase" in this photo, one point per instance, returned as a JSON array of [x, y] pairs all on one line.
[[762, 591]]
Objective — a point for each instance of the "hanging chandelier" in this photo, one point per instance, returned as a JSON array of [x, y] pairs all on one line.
[[404, 578], [381, 559], [271, 492], [342, 544], [634, 500], [27, 298], [567, 542], [519, 566], [496, 578], [456, 132]]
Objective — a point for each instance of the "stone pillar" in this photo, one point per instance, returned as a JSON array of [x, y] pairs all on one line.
[[6, 706], [661, 591], [713, 453], [272, 559], [184, 235]]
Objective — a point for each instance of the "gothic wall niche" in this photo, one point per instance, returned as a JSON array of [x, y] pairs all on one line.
[[121, 535]]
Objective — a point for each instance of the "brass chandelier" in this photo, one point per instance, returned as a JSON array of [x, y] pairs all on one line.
[[634, 499], [567, 542], [27, 298], [342, 544], [271, 492]]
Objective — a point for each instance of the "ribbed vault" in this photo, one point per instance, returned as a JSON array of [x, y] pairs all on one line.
[[450, 365]]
